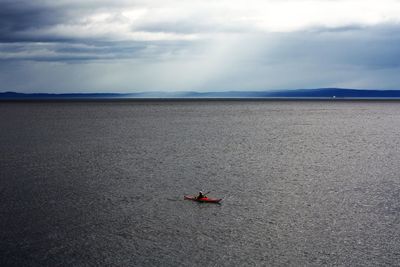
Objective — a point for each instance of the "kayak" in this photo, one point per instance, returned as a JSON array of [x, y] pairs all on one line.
[[203, 199]]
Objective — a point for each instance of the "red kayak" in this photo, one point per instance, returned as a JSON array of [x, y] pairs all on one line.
[[204, 199]]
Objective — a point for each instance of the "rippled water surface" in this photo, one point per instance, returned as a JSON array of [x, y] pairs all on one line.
[[303, 183]]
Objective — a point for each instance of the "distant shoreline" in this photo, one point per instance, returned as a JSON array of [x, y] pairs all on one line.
[[319, 94]]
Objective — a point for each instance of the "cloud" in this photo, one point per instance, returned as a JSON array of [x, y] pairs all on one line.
[[197, 45], [177, 20]]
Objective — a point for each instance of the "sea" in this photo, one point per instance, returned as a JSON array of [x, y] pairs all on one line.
[[102, 183]]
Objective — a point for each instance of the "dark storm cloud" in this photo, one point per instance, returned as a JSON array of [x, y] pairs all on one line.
[[55, 31], [18, 17], [26, 21], [70, 52]]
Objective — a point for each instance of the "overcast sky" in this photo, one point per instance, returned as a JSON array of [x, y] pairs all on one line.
[[204, 45]]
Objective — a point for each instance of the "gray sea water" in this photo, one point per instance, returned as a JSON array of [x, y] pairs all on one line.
[[102, 183]]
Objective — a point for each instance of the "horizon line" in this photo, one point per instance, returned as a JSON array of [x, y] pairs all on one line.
[[197, 92]]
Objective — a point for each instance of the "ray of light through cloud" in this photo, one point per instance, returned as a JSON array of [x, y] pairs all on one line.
[[129, 46]]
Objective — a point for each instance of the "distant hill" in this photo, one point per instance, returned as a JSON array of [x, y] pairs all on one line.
[[299, 93], [14, 95]]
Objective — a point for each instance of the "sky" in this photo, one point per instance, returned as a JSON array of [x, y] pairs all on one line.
[[201, 45]]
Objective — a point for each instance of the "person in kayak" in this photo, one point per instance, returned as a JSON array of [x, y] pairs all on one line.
[[201, 195]]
